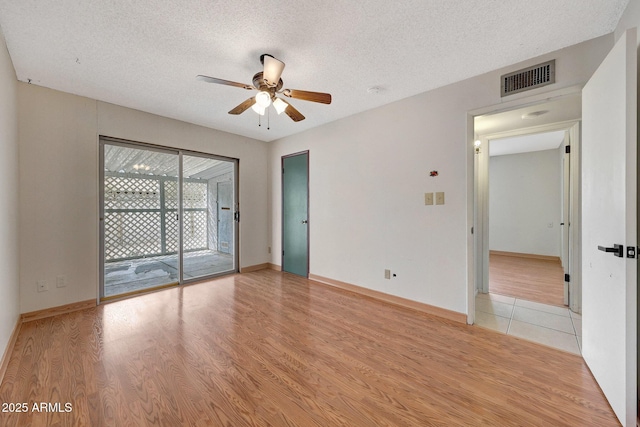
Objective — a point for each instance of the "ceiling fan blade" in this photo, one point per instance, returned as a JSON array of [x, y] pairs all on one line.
[[290, 111], [244, 106], [272, 70], [223, 82], [324, 98]]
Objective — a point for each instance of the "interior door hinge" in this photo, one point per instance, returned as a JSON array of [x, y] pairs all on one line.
[[282, 253], [567, 149], [567, 278]]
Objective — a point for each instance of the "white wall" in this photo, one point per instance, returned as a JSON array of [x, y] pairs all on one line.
[[59, 186], [9, 290], [369, 173], [524, 198]]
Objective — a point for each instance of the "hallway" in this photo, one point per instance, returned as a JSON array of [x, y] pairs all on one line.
[[550, 325]]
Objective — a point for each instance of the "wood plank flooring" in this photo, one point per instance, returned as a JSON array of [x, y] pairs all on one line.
[[272, 349], [532, 279]]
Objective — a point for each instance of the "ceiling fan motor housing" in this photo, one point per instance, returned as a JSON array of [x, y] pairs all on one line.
[[261, 85]]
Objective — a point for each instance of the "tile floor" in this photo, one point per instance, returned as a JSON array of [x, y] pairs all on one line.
[[549, 325]]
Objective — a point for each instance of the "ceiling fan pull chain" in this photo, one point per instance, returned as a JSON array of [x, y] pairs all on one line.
[[268, 119], [259, 123]]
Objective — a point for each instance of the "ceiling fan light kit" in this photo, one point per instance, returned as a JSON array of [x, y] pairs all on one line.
[[258, 109], [263, 99], [268, 84], [279, 105]]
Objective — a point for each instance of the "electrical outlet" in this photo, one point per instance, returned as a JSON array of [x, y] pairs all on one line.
[[42, 285], [387, 274], [428, 198], [61, 281], [440, 198]]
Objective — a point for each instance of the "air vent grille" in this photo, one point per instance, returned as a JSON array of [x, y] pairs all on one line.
[[528, 78]]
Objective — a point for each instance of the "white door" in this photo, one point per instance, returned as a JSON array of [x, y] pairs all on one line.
[[609, 305]]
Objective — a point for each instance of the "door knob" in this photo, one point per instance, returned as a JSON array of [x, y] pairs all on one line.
[[304, 221], [617, 250]]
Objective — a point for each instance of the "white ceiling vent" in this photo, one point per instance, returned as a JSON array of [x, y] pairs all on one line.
[[528, 78]]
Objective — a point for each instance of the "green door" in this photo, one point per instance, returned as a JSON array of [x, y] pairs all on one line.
[[295, 214]]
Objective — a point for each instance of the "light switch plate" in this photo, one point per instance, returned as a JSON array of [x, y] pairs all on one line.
[[61, 281], [428, 198], [440, 198]]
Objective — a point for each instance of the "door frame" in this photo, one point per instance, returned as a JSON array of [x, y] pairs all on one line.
[[299, 153], [179, 152], [477, 220]]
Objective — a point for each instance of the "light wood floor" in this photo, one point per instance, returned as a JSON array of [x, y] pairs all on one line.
[[527, 278], [272, 349]]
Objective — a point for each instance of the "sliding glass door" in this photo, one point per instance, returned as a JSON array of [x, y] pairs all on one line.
[[208, 219], [167, 217], [139, 236]]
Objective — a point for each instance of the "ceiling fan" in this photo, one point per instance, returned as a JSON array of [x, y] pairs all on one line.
[[268, 84]]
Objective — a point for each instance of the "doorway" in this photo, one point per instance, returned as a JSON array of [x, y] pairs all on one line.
[[526, 187], [604, 217], [295, 213], [525, 211], [160, 217]]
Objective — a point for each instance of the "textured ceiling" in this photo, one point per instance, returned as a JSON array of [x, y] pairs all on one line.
[[145, 54]]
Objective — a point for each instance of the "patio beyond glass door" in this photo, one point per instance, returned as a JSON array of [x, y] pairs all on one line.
[[167, 217], [208, 219], [139, 220], [225, 217]]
